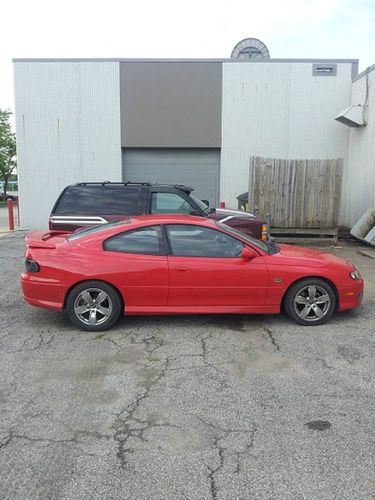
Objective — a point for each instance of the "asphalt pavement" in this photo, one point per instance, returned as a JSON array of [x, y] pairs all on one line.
[[188, 407], [4, 221], [4, 226]]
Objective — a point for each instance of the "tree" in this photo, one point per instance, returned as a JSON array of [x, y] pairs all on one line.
[[7, 149]]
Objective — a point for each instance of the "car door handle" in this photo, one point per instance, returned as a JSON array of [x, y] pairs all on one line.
[[182, 269]]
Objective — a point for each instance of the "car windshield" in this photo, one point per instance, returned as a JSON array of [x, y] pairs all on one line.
[[263, 245], [200, 203], [96, 229]]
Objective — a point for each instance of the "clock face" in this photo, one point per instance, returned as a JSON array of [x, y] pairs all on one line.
[[250, 48]]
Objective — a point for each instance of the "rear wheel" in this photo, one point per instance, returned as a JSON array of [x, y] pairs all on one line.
[[311, 301], [93, 306]]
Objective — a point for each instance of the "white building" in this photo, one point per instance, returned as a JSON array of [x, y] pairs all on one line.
[[196, 122]]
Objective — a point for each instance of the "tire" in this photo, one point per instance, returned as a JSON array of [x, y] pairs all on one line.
[[310, 301], [93, 306]]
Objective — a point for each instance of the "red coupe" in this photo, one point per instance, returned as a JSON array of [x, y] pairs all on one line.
[[181, 265]]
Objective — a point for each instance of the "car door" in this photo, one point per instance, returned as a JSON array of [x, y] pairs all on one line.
[[137, 263], [206, 269]]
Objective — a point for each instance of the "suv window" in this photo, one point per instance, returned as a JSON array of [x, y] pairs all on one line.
[[172, 203], [198, 241], [147, 240], [103, 200]]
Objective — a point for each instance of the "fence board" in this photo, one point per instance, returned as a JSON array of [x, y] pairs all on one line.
[[297, 193]]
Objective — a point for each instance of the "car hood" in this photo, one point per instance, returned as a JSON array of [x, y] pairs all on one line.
[[226, 213], [299, 255]]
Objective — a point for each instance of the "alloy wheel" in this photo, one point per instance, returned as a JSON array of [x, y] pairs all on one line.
[[93, 306], [311, 303]]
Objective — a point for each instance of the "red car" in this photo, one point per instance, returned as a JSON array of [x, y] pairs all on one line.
[[175, 264]]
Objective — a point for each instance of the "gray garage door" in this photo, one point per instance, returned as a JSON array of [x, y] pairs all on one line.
[[198, 168]]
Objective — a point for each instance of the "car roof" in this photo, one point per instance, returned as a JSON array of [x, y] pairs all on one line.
[[106, 230]]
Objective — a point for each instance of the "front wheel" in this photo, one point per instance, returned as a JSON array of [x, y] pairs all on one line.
[[311, 301], [93, 306]]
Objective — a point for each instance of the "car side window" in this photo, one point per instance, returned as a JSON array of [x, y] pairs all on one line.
[[146, 240], [169, 203], [198, 241]]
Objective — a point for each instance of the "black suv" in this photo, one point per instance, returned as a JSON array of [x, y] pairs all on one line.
[[91, 203]]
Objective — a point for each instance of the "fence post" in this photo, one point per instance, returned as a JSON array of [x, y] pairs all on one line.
[[10, 215], [268, 220]]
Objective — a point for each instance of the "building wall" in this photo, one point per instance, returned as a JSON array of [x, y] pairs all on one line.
[[171, 104], [279, 110], [359, 178], [68, 130], [73, 117]]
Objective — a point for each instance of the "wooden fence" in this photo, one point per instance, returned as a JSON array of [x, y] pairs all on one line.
[[297, 193]]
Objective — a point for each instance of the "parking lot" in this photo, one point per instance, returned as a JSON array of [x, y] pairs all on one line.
[[4, 225], [192, 407]]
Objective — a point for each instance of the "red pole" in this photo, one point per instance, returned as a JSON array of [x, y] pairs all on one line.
[[10, 215], [222, 204]]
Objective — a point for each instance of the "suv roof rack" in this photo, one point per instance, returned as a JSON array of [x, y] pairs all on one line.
[[185, 188], [177, 186], [129, 183], [106, 183]]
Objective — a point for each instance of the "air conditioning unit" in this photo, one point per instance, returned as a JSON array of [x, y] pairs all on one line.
[[353, 116]]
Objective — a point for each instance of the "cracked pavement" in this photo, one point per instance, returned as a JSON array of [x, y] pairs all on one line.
[[190, 407]]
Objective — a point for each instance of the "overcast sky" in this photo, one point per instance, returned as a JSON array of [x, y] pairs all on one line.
[[182, 29]]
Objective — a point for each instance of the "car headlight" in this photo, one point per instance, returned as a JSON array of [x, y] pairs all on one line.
[[355, 275]]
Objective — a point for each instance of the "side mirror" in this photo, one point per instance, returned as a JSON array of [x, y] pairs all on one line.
[[248, 253]]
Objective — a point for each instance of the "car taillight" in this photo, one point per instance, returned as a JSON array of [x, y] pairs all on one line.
[[264, 232], [31, 266]]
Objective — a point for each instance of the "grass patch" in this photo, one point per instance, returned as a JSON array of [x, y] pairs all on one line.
[[153, 360], [99, 336]]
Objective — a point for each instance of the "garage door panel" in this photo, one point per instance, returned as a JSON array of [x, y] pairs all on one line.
[[196, 168]]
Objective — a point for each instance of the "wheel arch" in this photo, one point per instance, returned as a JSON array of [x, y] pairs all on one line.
[[327, 280], [94, 279]]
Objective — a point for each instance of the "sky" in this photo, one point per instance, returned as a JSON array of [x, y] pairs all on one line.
[[174, 29]]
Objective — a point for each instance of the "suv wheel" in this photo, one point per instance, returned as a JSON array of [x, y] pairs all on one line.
[[93, 306]]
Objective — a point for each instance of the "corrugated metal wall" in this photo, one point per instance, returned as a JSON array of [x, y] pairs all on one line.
[[68, 129], [359, 175], [279, 110]]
